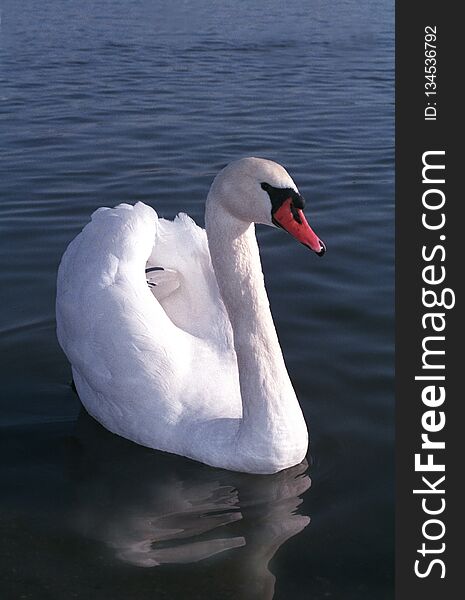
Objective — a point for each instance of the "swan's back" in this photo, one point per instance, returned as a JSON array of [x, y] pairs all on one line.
[[196, 306]]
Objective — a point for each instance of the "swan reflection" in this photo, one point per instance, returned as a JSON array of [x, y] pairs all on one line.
[[151, 508]]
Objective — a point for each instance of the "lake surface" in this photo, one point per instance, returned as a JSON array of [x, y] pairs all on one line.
[[111, 101]]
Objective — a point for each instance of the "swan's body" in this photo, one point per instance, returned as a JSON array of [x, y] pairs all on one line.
[[197, 372]]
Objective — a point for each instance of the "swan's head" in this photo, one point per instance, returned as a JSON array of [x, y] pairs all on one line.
[[256, 190]]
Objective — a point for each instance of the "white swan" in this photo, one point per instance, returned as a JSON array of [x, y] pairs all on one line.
[[192, 366]]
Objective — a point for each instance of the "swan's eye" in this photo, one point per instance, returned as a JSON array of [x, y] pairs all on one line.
[[265, 186]]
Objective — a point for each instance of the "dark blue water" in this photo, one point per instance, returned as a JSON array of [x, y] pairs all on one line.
[[111, 101]]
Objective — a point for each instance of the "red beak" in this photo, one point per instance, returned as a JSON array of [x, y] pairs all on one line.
[[294, 222]]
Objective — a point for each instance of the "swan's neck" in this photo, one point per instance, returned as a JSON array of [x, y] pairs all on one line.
[[270, 408]]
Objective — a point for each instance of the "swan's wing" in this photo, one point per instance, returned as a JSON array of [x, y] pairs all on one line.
[[132, 363], [125, 351], [194, 303]]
